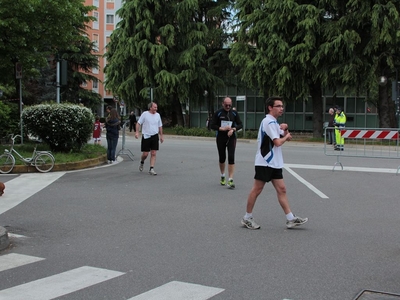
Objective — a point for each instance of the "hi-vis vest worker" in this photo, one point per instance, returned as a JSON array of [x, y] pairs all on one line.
[[339, 122]]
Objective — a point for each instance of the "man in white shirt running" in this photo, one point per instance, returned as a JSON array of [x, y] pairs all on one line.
[[151, 134], [269, 164]]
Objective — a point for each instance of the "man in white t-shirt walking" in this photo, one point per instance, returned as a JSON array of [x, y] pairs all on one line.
[[269, 164], [151, 135]]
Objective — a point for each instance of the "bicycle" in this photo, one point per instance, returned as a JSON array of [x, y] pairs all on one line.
[[43, 161]]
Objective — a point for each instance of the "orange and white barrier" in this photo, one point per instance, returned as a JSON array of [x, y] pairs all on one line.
[[366, 142], [370, 134]]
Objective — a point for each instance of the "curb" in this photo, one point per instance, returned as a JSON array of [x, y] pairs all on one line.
[[88, 163], [4, 241]]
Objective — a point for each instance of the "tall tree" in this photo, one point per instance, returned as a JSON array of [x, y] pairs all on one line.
[[33, 30], [377, 24], [162, 44], [81, 60], [297, 48], [277, 45]]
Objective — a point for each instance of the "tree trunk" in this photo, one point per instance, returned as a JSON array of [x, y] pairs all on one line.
[[386, 110], [210, 102], [316, 96], [177, 108]]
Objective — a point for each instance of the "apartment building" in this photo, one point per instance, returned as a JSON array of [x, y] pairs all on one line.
[[99, 32]]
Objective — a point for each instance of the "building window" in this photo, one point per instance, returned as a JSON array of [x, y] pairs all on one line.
[[110, 0], [110, 19], [96, 3], [96, 21], [95, 85], [96, 42], [95, 70]]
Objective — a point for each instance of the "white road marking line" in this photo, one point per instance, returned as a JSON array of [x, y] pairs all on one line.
[[24, 186], [345, 168], [58, 285], [179, 291], [306, 183], [14, 260], [18, 236]]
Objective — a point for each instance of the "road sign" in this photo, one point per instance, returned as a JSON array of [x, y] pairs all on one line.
[[240, 98]]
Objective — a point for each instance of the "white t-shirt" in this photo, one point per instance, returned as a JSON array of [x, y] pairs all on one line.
[[268, 155], [151, 124]]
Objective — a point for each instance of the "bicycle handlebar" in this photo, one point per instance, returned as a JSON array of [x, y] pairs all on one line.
[[13, 137]]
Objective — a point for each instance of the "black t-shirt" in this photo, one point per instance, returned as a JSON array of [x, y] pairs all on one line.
[[223, 115]]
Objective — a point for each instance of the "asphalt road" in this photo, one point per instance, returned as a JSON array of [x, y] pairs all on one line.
[[178, 234]]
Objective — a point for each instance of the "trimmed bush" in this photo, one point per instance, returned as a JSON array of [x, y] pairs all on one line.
[[194, 131], [64, 127]]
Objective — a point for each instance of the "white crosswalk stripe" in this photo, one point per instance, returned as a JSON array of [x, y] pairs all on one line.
[[59, 284], [14, 260], [179, 291], [31, 183], [77, 279]]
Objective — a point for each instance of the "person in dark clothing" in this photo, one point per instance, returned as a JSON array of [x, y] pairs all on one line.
[[226, 122], [208, 122], [331, 131], [132, 122], [112, 126]]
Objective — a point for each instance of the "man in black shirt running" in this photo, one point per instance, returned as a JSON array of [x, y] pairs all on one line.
[[226, 122]]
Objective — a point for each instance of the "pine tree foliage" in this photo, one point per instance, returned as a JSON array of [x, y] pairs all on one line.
[[165, 45], [81, 60], [298, 48]]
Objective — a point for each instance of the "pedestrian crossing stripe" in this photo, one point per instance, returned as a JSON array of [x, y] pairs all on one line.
[[14, 260], [31, 183], [179, 291], [58, 285], [77, 279]]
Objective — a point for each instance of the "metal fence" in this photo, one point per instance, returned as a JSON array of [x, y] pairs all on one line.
[[365, 142]]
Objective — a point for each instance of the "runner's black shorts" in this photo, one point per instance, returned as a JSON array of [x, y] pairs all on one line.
[[266, 174], [150, 144]]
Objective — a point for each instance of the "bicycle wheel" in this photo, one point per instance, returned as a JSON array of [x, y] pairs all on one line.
[[44, 162], [7, 162]]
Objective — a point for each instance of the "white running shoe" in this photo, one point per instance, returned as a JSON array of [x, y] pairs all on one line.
[[297, 221], [250, 223]]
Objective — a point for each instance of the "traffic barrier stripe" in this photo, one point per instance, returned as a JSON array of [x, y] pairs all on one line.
[[370, 134], [365, 142]]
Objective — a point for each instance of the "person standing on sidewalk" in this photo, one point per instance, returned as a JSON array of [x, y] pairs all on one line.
[[340, 123], [151, 135], [226, 122], [269, 164], [331, 131], [97, 131], [132, 121], [112, 126]]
